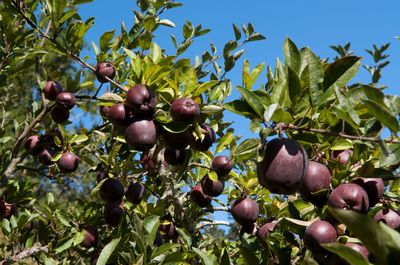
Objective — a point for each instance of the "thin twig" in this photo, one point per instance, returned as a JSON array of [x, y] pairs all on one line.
[[341, 135], [25, 253], [194, 164], [203, 224]]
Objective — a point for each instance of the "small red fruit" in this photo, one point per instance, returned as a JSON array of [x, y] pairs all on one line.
[[68, 162], [245, 211], [185, 110], [197, 195], [104, 70], [59, 115], [51, 90]]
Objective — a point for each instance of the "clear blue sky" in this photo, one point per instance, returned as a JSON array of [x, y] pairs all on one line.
[[312, 23]]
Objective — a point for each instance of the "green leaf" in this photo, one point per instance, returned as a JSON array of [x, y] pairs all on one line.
[[269, 111], [111, 97], [294, 86], [185, 236], [204, 257], [164, 248], [225, 141], [237, 32], [348, 254], [151, 224], [341, 71], [383, 115], [345, 109], [292, 55], [107, 251], [105, 40], [166, 22], [380, 239], [316, 74], [155, 52], [204, 87], [66, 244], [78, 138], [246, 149], [253, 100]]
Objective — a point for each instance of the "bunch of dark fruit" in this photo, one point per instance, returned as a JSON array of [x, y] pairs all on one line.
[[320, 232], [112, 192], [43, 147], [203, 192], [64, 101]]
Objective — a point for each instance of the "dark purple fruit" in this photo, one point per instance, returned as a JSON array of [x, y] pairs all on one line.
[[222, 165], [266, 229], [174, 157], [59, 115], [101, 175], [158, 241], [45, 155], [212, 187], [51, 90], [208, 140], [349, 196], [197, 195], [141, 135], [141, 100], [113, 213], [65, 100], [104, 70], [90, 237], [359, 248], [7, 209], [68, 162], [317, 233], [389, 217], [119, 114], [284, 166], [167, 231], [104, 110], [177, 140], [135, 192], [250, 229], [112, 191], [33, 145], [185, 109], [342, 156], [374, 187], [317, 178], [245, 211]]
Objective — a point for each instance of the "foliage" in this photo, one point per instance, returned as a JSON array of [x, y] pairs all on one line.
[[306, 98]]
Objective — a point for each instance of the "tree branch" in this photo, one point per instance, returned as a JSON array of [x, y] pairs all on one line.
[[282, 126], [25, 253], [203, 224]]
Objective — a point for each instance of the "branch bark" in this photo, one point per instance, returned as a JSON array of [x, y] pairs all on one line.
[[282, 126], [25, 253], [201, 225]]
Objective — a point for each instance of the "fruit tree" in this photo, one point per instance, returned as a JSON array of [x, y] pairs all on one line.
[[317, 182]]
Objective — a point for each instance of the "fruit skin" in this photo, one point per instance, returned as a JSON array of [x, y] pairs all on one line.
[[45, 156], [51, 90], [206, 143], [249, 229], [112, 191], [266, 229], [33, 145], [317, 178], [119, 114], [59, 115], [103, 70], [141, 135], [113, 213], [211, 187], [349, 196], [135, 192], [65, 100], [141, 100], [342, 156], [389, 217], [317, 233], [197, 195], [91, 236], [222, 165], [185, 110], [68, 162], [176, 140], [174, 157], [7, 209], [168, 231], [283, 167], [374, 187], [359, 248], [245, 211], [104, 110]]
